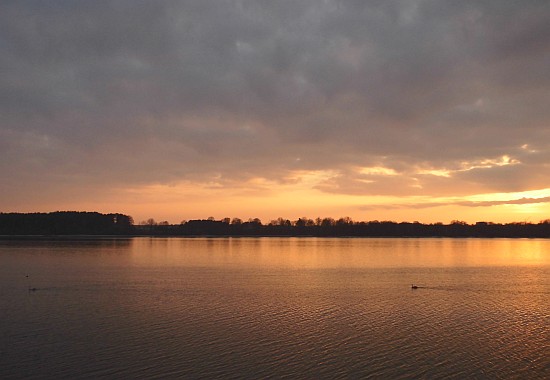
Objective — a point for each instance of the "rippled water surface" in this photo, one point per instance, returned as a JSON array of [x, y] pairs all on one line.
[[275, 307]]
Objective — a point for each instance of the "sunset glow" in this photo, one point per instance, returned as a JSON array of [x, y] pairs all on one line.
[[403, 111]]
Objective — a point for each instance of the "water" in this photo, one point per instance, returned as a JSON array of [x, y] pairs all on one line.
[[275, 308]]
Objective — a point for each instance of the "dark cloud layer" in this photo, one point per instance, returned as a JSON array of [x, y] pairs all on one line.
[[102, 93]]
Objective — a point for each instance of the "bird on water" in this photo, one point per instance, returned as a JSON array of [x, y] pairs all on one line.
[[29, 286]]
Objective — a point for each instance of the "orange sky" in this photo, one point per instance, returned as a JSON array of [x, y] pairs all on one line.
[[293, 201]]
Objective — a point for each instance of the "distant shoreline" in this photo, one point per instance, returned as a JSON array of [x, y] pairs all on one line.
[[87, 225], [128, 237]]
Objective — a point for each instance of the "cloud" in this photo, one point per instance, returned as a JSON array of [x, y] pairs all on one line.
[[96, 95], [521, 201], [462, 203]]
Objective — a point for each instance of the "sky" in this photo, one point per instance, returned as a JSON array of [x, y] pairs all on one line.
[[413, 110]]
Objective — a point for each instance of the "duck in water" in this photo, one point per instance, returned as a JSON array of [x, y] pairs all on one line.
[[29, 285]]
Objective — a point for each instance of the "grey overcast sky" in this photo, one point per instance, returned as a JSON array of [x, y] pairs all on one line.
[[186, 109]]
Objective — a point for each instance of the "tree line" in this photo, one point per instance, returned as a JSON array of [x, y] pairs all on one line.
[[65, 223], [94, 223], [321, 227]]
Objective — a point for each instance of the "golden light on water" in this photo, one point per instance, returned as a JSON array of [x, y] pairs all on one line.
[[302, 253], [396, 111]]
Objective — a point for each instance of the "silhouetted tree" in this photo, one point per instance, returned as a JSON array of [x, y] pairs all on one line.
[[65, 223], [71, 223]]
